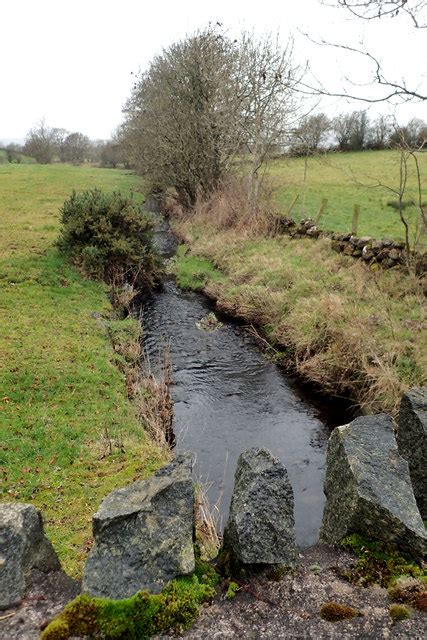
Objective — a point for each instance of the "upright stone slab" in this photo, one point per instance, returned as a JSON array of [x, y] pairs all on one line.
[[412, 442], [143, 535], [368, 488], [23, 546], [260, 528]]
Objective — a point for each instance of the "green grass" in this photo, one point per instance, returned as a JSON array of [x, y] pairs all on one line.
[[346, 179], [194, 272], [69, 434]]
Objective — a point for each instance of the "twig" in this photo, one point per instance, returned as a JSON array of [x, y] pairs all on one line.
[[9, 615], [251, 329]]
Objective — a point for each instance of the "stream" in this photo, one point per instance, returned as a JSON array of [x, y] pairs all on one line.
[[229, 397]]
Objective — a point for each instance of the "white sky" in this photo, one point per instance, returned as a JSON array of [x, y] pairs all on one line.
[[70, 61]]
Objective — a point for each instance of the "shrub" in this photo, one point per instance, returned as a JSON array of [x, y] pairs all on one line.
[[109, 237]]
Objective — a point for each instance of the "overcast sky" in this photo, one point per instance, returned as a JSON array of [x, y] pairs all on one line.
[[70, 61]]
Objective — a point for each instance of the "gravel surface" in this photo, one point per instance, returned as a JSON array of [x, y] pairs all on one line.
[[46, 596], [289, 608]]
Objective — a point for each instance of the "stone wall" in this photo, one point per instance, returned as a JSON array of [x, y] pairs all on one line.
[[387, 253]]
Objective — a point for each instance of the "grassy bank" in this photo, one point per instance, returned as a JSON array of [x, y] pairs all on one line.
[[18, 158], [69, 434], [355, 332], [346, 179]]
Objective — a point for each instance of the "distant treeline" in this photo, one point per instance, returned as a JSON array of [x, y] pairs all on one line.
[[354, 132], [51, 144]]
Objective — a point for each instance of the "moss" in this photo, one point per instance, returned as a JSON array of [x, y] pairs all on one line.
[[399, 612], [136, 618], [334, 611], [232, 589], [411, 591], [378, 563], [58, 630], [205, 572]]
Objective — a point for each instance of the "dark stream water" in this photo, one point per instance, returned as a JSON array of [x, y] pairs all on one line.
[[229, 397]]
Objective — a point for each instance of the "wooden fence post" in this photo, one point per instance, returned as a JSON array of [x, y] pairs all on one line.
[[355, 221], [321, 210]]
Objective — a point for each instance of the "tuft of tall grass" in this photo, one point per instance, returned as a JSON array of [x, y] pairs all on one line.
[[230, 208]]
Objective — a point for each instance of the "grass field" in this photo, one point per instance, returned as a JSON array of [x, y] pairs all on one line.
[[346, 179], [63, 404]]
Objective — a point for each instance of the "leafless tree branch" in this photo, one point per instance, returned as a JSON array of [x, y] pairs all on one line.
[[374, 9], [392, 88]]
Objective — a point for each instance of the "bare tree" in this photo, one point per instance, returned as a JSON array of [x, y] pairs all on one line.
[[310, 134], [94, 151], [408, 156], [112, 153], [181, 121], [74, 148], [202, 102], [268, 80], [392, 89], [413, 135], [43, 142], [379, 133], [373, 9], [342, 126], [351, 130], [360, 130]]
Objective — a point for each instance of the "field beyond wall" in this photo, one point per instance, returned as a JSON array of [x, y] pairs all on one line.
[[346, 179], [68, 433]]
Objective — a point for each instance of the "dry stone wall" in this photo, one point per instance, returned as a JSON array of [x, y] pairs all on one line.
[[386, 253]]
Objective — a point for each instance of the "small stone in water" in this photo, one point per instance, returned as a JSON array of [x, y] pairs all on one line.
[[209, 323]]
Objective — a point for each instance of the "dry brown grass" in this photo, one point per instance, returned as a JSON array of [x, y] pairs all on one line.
[[149, 392], [153, 400], [206, 524], [229, 208], [354, 332]]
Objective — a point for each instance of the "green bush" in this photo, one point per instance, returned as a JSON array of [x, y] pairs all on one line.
[[109, 237]]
